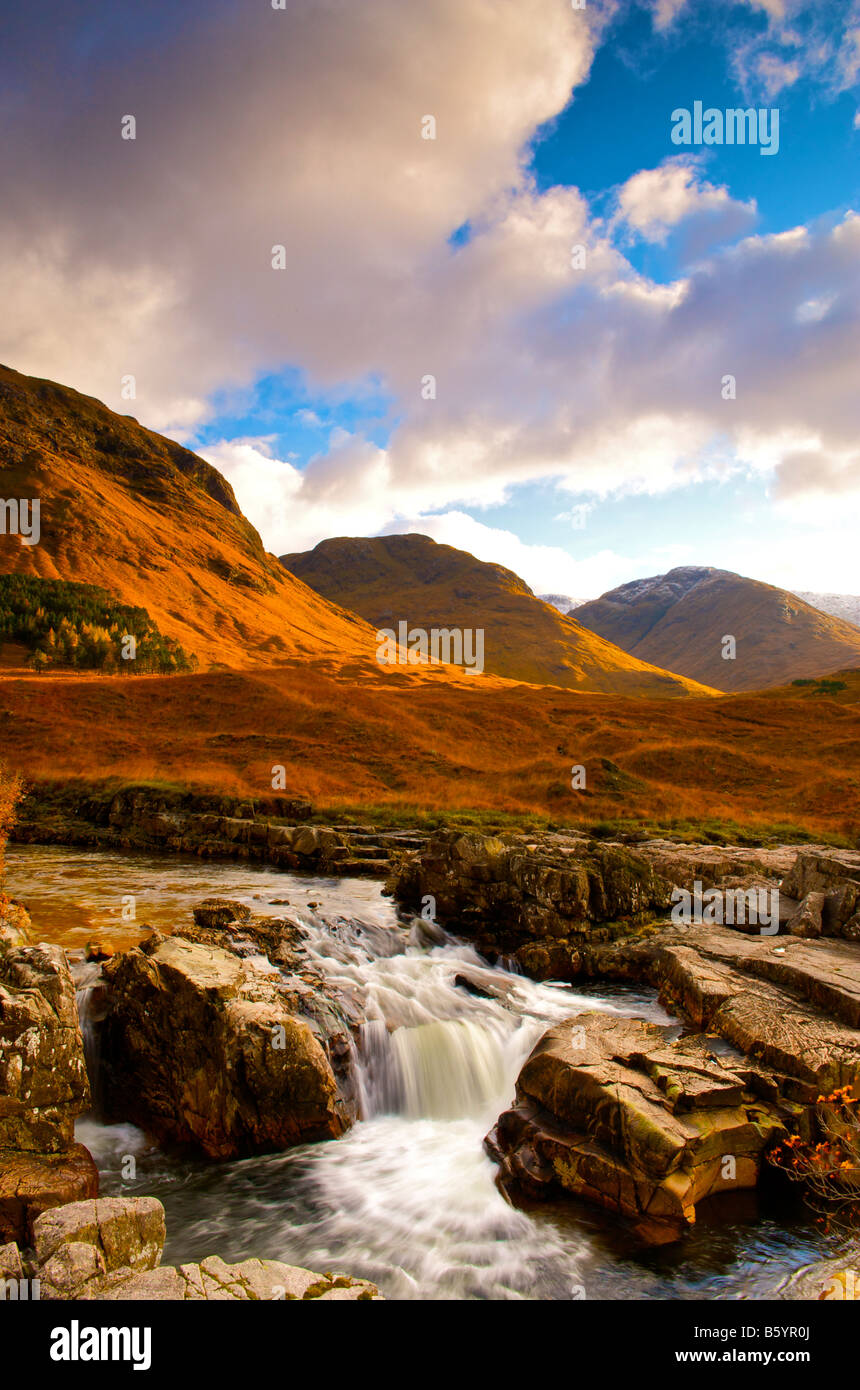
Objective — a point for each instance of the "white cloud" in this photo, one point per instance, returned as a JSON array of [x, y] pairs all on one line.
[[654, 201]]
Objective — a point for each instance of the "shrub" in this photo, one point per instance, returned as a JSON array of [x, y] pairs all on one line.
[[830, 1169], [67, 624]]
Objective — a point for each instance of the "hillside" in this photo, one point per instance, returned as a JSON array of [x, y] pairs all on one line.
[[417, 744], [156, 527], [388, 579], [678, 620]]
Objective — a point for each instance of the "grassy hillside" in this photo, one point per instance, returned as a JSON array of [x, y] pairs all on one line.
[[413, 744], [392, 578], [679, 621], [157, 527]]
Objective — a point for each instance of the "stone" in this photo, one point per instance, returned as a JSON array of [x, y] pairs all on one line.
[[10, 1262], [251, 1280], [127, 1231], [220, 912], [507, 892], [200, 1048], [806, 920], [617, 1113], [31, 1184], [43, 1076]]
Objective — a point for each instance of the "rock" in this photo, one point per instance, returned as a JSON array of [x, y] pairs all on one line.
[[128, 1231], [220, 912], [43, 1077], [615, 1112], [251, 1280], [200, 1048], [507, 892], [110, 1250], [10, 1262], [31, 1184], [806, 920], [833, 877]]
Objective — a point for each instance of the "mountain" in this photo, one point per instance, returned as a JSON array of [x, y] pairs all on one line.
[[155, 526], [389, 579], [845, 606], [563, 602], [679, 620]]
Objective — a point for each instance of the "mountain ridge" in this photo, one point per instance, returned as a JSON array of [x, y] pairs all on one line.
[[681, 619], [391, 578]]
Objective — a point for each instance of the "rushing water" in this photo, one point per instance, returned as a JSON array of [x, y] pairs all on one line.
[[407, 1197]]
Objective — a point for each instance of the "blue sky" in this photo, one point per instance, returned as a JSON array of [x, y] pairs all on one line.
[[577, 428]]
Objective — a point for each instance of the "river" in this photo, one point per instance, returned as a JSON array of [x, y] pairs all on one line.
[[407, 1197]]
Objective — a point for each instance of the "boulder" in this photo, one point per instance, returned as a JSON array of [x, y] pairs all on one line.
[[76, 1244], [619, 1113], [31, 1183], [806, 919], [202, 1048], [829, 881], [220, 912]]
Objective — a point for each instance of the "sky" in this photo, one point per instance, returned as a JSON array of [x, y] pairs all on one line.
[[442, 267]]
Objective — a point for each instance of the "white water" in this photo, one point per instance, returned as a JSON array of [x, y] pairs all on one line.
[[408, 1196]]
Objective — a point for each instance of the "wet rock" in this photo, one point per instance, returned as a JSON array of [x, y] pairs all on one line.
[[616, 1113], [43, 1085], [32, 1183], [202, 1048], [127, 1231], [110, 1250], [220, 912]]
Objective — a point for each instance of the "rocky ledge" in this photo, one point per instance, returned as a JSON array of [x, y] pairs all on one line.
[[273, 830], [111, 1248], [642, 1120]]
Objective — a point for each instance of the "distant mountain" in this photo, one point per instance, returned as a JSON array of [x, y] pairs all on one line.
[[157, 527], [845, 606], [563, 602], [679, 621], [388, 579]]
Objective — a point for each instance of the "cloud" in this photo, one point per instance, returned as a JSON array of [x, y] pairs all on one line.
[[655, 201], [303, 129]]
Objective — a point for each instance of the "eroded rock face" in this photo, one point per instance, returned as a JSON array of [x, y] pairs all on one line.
[[508, 891], [828, 885], [205, 1044], [43, 1077], [619, 1114], [43, 1084], [83, 1241]]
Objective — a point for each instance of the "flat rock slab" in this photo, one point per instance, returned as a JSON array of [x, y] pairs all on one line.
[[251, 1280]]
